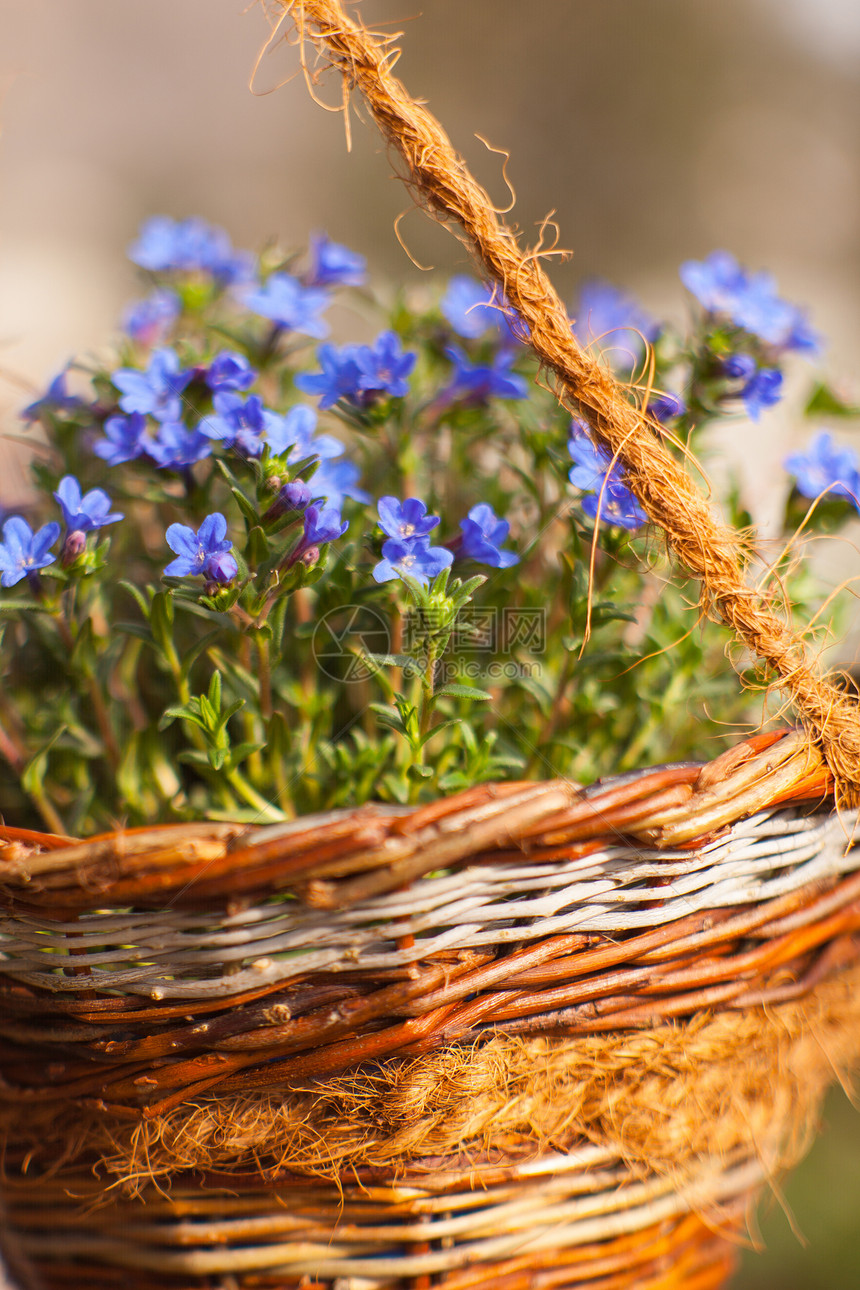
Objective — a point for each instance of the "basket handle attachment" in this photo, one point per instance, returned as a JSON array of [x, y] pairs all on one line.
[[441, 182]]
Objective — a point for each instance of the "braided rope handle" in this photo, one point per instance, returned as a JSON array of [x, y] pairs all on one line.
[[713, 552]]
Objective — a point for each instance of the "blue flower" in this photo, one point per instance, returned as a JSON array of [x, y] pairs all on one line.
[[762, 390], [337, 480], [591, 461], [405, 520], [473, 308], [616, 505], [148, 321], [205, 552], [23, 552], [613, 320], [360, 373], [718, 282], [55, 399], [415, 557], [125, 439], [333, 264], [389, 367], [166, 245], [83, 513], [483, 535], [156, 391], [665, 407], [341, 376], [478, 382], [229, 371], [289, 305], [176, 447], [294, 434], [240, 423], [750, 301], [408, 548], [323, 524], [595, 473], [825, 467]]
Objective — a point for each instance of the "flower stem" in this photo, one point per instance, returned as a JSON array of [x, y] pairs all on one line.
[[96, 698], [265, 665], [269, 813]]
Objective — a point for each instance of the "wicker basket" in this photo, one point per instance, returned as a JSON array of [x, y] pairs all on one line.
[[534, 1035], [526, 1036]]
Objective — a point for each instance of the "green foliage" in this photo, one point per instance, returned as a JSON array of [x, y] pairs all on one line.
[[300, 683]]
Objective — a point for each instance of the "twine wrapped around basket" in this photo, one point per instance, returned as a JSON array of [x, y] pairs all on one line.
[[530, 1035]]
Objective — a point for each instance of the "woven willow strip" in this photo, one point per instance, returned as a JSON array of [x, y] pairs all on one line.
[[181, 954]]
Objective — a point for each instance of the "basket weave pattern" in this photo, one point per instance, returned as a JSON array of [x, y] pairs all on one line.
[[527, 1028]]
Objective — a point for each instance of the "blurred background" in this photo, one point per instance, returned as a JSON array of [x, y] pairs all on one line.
[[656, 132]]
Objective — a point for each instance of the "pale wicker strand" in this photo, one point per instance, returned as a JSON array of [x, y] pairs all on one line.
[[441, 181]]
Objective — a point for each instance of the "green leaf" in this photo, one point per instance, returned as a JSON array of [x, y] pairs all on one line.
[[33, 775], [228, 712], [246, 506], [215, 691], [84, 651], [468, 589], [439, 585], [181, 712], [191, 656], [825, 402], [16, 606], [207, 712], [161, 618], [437, 729], [455, 691], [388, 717], [405, 661], [277, 619], [134, 629], [244, 750]]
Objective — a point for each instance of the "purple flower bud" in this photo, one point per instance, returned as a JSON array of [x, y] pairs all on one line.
[[739, 367], [294, 496], [310, 556], [222, 566], [74, 545], [666, 407]]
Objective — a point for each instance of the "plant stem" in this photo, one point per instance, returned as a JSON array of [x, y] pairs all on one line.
[[264, 660], [14, 755], [548, 729], [48, 812], [427, 703], [96, 698], [268, 812]]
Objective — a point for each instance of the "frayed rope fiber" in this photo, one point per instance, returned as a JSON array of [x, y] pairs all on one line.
[[442, 183], [748, 1082]]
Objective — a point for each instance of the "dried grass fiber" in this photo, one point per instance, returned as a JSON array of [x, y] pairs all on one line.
[[750, 1081]]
